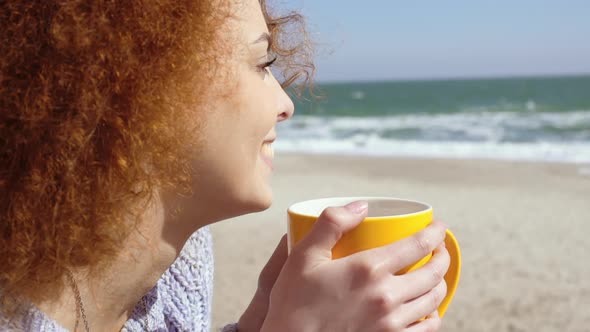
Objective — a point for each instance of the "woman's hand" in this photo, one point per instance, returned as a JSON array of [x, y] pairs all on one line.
[[253, 317], [360, 292]]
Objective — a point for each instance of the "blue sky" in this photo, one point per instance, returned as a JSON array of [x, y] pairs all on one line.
[[416, 39]]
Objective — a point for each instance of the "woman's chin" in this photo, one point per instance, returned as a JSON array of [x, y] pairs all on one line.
[[263, 203], [259, 201]]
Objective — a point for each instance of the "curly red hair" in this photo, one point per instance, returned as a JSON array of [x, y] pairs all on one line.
[[91, 92]]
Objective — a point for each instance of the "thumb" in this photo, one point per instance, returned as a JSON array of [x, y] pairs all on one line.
[[272, 269], [255, 313], [331, 225]]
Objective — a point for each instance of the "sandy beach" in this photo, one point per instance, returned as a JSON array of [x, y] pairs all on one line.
[[523, 228]]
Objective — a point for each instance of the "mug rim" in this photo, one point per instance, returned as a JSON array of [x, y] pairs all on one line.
[[296, 208]]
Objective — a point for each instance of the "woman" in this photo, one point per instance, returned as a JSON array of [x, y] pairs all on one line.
[[128, 127]]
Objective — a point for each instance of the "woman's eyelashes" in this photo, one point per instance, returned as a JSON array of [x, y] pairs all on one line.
[[263, 67]]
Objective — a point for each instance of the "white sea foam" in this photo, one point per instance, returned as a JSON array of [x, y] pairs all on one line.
[[560, 137], [556, 152]]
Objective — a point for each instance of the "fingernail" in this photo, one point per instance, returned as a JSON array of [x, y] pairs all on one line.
[[357, 207]]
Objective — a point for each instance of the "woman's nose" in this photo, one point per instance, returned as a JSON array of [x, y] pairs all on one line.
[[286, 108]]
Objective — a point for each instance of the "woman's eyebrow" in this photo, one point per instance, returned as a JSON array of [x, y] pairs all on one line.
[[264, 37]]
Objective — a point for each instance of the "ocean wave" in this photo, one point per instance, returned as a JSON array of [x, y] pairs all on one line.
[[558, 136], [572, 126]]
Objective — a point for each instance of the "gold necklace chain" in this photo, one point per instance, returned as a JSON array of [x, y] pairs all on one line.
[[82, 312]]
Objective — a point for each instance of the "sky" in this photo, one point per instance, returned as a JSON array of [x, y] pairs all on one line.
[[416, 39]]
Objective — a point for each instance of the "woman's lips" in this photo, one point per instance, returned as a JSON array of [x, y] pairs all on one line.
[[267, 154]]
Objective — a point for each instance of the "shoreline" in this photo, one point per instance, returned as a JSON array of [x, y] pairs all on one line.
[[447, 158], [427, 152]]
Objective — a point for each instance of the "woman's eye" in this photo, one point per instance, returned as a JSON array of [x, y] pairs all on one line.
[[263, 66]]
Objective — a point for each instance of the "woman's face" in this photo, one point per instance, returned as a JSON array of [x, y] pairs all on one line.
[[234, 164]]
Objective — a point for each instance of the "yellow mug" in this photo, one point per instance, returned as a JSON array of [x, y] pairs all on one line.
[[388, 220]]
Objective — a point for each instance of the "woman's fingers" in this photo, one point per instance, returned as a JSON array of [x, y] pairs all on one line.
[[405, 320], [414, 310], [420, 292], [431, 323], [400, 254], [329, 228], [422, 280]]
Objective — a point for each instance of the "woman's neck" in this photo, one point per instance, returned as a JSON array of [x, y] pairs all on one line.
[[108, 300]]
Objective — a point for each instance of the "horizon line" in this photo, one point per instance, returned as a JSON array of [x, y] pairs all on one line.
[[455, 78]]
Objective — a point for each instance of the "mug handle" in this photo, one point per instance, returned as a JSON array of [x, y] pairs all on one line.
[[454, 272]]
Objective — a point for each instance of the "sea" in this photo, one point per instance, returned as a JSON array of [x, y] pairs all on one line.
[[544, 119]]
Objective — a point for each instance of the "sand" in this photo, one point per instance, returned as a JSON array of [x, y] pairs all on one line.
[[524, 231]]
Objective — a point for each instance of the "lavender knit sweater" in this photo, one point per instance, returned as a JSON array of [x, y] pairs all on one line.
[[180, 301]]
